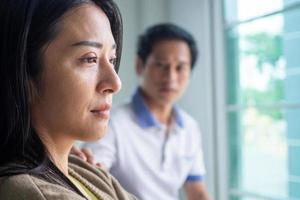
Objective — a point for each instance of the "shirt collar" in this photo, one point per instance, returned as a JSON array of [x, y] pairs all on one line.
[[145, 117]]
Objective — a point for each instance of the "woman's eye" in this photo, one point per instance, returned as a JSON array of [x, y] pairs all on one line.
[[89, 60], [180, 68], [113, 61]]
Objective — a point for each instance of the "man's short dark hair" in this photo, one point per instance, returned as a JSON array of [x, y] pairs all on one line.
[[161, 32]]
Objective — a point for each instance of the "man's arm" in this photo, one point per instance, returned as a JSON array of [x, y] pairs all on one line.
[[196, 190]]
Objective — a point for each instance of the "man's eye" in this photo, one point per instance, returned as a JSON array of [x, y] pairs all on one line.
[[89, 60], [160, 64], [182, 67]]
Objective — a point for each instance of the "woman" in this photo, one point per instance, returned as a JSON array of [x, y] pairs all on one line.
[[58, 74]]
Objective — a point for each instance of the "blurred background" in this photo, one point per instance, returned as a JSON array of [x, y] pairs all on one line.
[[244, 92]]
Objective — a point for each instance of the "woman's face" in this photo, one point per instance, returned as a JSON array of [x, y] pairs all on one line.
[[78, 81]]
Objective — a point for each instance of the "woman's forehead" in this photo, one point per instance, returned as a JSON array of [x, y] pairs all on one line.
[[86, 22]]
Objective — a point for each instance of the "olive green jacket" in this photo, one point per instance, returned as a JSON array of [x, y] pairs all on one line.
[[27, 187]]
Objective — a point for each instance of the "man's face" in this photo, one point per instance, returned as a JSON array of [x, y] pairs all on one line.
[[166, 72]]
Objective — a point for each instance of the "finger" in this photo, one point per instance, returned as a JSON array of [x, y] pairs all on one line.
[[76, 151], [89, 155], [100, 165]]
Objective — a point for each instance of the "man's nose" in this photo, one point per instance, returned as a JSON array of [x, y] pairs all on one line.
[[170, 73]]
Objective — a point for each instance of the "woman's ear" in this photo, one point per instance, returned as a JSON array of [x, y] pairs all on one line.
[[32, 91]]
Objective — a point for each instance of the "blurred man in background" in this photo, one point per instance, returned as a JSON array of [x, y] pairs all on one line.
[[153, 147]]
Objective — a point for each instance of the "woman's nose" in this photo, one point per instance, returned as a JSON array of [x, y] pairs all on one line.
[[109, 81]]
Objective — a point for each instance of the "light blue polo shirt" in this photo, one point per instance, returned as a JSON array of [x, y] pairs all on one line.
[[148, 162]]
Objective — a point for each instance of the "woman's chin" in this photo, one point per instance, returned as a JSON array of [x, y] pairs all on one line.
[[94, 135]]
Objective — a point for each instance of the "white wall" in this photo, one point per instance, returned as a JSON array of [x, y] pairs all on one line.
[[193, 15], [137, 16], [129, 10]]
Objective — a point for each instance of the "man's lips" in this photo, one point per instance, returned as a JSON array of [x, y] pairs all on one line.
[[102, 111], [167, 90]]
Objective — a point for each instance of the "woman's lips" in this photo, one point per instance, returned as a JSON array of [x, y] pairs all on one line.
[[102, 111]]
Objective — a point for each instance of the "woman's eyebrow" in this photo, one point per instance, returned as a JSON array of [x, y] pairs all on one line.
[[91, 44], [88, 43]]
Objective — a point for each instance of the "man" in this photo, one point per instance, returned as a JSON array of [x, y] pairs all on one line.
[[152, 146]]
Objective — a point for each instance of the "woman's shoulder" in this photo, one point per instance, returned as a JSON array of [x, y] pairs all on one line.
[[27, 187], [82, 167], [97, 179], [19, 187]]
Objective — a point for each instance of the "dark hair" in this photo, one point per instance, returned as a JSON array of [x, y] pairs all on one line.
[[166, 31], [27, 26]]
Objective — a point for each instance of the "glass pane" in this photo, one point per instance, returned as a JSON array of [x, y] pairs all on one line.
[[263, 64], [264, 154], [291, 47], [240, 10], [263, 79]]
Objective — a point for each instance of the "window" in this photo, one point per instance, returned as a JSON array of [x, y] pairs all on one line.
[[263, 98]]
